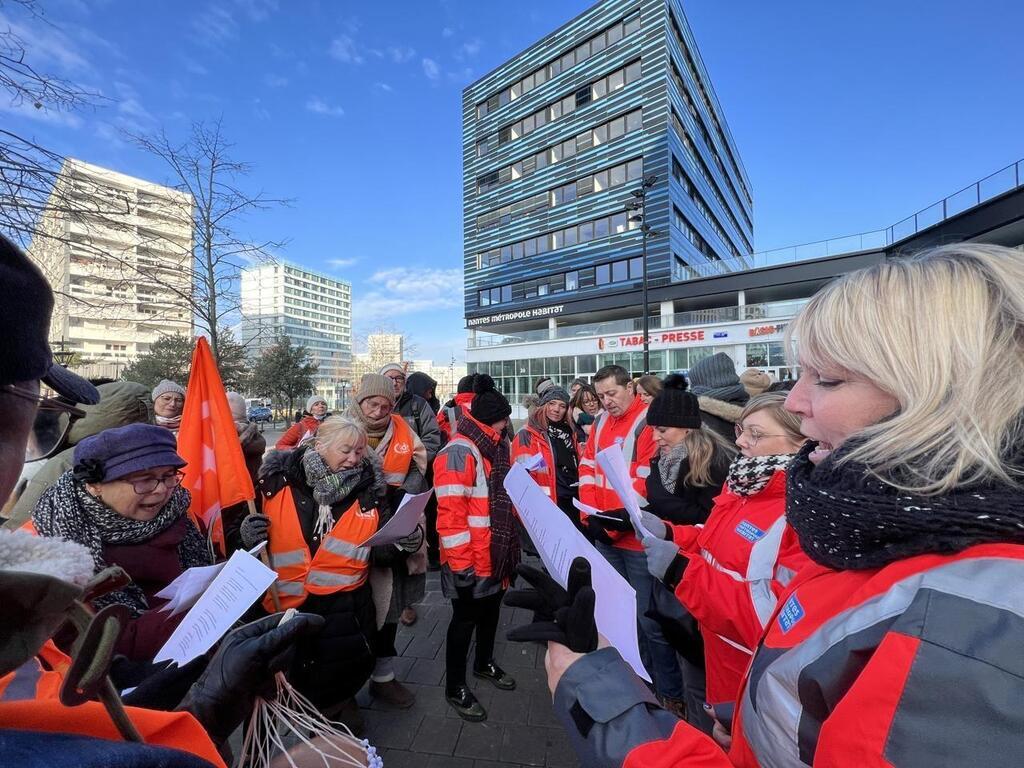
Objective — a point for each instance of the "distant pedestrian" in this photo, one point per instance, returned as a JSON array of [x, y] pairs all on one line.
[[168, 403], [304, 430], [648, 387], [719, 391]]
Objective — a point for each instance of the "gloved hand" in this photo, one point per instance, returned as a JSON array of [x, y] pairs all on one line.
[[254, 530], [413, 541], [564, 616], [242, 669], [660, 556], [620, 524], [654, 524], [596, 532]]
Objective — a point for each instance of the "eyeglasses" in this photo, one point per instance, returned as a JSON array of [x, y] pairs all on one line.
[[146, 485], [53, 420], [754, 435]]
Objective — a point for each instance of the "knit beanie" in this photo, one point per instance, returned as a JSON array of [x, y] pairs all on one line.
[[713, 372], [392, 367], [543, 385], [755, 381], [489, 406], [313, 400], [466, 384], [674, 406], [554, 393], [375, 385], [166, 386]]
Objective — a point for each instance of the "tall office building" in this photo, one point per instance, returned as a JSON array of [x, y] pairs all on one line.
[[117, 251], [310, 309], [556, 142]]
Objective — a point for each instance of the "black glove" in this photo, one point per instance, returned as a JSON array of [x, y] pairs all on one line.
[[621, 523], [596, 532], [244, 668], [412, 542], [254, 530], [564, 616]]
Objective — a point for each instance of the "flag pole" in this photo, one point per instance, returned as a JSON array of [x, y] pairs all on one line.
[[274, 598]]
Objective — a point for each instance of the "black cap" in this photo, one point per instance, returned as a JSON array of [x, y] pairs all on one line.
[[674, 406], [25, 319], [489, 406], [466, 384]]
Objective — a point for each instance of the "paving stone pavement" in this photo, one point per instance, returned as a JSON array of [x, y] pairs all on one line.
[[520, 730]]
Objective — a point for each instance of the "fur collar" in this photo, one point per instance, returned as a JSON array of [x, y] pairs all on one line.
[[720, 408], [61, 559]]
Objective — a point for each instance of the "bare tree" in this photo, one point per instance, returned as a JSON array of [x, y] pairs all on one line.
[[203, 169]]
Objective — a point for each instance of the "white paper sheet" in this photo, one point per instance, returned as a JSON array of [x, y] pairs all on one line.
[[182, 593], [403, 522], [592, 511], [559, 543], [616, 472], [533, 463], [240, 583]]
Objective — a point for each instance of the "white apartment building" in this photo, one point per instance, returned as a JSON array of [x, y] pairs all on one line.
[[310, 309], [117, 252]]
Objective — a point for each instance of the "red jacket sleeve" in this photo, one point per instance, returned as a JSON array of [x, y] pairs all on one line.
[[588, 467], [685, 748], [291, 437], [640, 468], [454, 474]]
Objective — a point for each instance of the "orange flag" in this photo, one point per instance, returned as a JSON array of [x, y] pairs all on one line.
[[216, 473]]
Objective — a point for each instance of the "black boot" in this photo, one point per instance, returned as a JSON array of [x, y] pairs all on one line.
[[497, 676], [464, 702]]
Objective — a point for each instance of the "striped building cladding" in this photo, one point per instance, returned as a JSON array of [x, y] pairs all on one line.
[[555, 140]]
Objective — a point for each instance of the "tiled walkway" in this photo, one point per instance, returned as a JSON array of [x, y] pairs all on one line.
[[520, 730]]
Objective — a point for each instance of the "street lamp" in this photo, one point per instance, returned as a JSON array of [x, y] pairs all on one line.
[[637, 213], [62, 356]]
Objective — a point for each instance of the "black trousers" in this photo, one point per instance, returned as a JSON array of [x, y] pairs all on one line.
[[480, 614]]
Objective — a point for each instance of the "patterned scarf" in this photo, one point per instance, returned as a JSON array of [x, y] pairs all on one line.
[[331, 487], [68, 511], [848, 519], [668, 466], [748, 476], [504, 536]]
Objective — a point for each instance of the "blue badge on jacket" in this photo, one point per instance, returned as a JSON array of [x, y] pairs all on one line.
[[790, 614], [749, 531]]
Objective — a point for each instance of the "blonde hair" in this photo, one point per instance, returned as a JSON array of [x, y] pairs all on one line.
[[942, 333], [335, 429], [702, 448], [650, 384], [774, 403]]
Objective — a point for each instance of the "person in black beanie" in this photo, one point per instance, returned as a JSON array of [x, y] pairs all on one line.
[[476, 525]]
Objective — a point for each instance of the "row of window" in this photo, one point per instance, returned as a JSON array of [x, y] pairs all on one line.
[[692, 66], [615, 176], [621, 271], [556, 66], [679, 175], [702, 168], [561, 238], [693, 235], [563, 150], [564, 107], [319, 301]]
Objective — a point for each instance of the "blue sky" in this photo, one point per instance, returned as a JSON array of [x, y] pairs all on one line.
[[848, 116]]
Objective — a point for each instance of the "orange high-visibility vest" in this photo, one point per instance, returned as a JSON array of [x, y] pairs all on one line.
[[340, 564], [398, 456]]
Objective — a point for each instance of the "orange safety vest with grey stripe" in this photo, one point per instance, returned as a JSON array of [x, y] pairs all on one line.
[[340, 563], [477, 494], [398, 454]]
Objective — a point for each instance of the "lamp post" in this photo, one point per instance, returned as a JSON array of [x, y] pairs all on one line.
[[637, 212], [62, 356]]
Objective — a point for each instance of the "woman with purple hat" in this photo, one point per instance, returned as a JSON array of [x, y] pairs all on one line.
[[124, 501]]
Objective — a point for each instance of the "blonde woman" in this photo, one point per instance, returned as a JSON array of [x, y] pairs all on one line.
[[901, 643], [648, 387]]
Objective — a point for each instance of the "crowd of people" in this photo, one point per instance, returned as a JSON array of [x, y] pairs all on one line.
[[828, 571]]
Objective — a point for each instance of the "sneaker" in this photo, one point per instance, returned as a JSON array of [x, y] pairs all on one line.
[[392, 693], [497, 676], [464, 702], [408, 617]]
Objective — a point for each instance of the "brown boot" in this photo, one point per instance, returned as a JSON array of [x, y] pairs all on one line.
[[392, 693], [408, 616]]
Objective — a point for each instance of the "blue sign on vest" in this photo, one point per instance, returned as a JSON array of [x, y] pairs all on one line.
[[790, 614], [749, 531]]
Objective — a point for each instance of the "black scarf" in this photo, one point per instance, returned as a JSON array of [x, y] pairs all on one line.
[[504, 536], [749, 475], [67, 510], [848, 519]]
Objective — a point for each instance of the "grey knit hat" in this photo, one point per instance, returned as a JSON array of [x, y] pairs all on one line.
[[166, 386], [313, 400], [713, 372], [375, 385], [554, 393]]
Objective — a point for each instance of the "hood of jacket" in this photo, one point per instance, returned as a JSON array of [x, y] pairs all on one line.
[[720, 408], [121, 403]]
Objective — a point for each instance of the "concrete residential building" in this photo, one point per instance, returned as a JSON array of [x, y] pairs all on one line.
[[117, 251], [310, 309], [555, 142]]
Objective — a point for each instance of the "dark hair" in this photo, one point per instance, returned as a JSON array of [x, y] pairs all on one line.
[[577, 399], [622, 377]]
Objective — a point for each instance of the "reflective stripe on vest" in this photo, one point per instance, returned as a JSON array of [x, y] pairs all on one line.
[[453, 418], [455, 539], [21, 684], [398, 454]]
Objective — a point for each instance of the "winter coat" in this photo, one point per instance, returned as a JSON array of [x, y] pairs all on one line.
[[464, 518], [452, 410], [121, 403], [720, 415], [307, 425], [335, 663], [630, 430], [528, 442], [739, 562], [916, 663], [415, 410], [686, 504]]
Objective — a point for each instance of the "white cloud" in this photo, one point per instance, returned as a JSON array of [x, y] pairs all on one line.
[[447, 32], [43, 115], [258, 10], [341, 263], [461, 76], [215, 26], [318, 106], [46, 44], [383, 87], [468, 49], [343, 48], [404, 291], [275, 81], [400, 54], [431, 69]]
